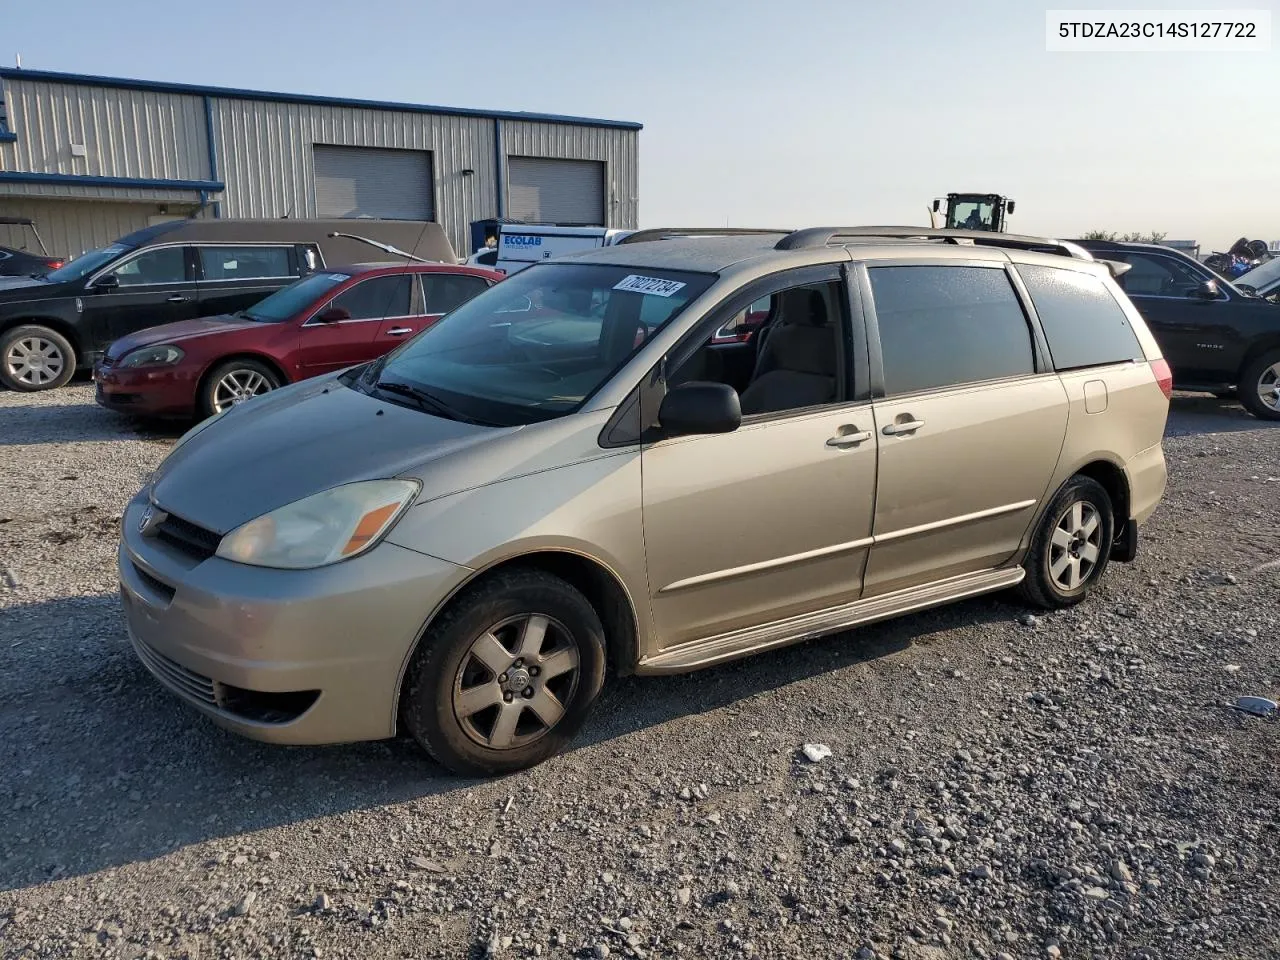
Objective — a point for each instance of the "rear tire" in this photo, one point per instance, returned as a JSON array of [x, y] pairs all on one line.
[[35, 358], [506, 676], [1259, 388], [1071, 547], [234, 382]]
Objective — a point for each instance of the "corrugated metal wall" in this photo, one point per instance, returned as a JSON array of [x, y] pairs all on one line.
[[265, 157], [264, 153], [618, 148], [127, 133], [70, 227]]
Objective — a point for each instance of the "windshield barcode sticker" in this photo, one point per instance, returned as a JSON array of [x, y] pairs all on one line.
[[651, 285]]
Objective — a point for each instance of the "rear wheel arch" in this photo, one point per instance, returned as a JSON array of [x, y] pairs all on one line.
[[602, 588], [1257, 349], [1112, 477]]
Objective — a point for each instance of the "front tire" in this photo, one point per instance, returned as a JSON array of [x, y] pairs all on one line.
[[506, 676], [34, 358], [1071, 547], [235, 382], [1259, 387]]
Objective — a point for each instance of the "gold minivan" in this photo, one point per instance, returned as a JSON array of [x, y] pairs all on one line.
[[599, 462]]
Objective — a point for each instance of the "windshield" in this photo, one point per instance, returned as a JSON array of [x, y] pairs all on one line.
[[538, 344], [287, 301], [1261, 276], [86, 263], [972, 215]]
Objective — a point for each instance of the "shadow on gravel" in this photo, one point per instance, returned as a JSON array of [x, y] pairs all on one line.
[[1194, 413], [78, 423], [102, 767]]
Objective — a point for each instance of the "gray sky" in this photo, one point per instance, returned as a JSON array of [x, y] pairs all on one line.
[[765, 113]]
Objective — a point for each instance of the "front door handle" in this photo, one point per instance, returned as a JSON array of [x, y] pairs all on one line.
[[399, 331], [902, 427], [178, 298], [850, 439]]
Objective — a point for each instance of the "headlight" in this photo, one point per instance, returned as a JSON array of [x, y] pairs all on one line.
[[334, 525], [162, 355]]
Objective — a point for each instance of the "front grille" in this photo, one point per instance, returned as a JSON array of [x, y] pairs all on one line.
[[158, 586], [193, 540], [252, 705], [186, 682]]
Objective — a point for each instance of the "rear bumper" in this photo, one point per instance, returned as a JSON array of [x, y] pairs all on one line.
[[156, 392], [1148, 475]]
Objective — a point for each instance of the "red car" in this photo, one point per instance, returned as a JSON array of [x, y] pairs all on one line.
[[324, 322]]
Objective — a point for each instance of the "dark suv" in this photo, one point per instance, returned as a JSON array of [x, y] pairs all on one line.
[[177, 271], [1215, 335]]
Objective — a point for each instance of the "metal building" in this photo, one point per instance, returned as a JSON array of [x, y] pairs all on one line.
[[93, 158]]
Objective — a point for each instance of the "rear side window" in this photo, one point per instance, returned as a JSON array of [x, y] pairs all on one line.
[[943, 326], [244, 263], [1084, 324], [443, 292]]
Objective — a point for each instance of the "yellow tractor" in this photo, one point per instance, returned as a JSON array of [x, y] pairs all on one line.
[[971, 211]]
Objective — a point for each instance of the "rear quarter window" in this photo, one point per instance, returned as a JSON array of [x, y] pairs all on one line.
[[1083, 322]]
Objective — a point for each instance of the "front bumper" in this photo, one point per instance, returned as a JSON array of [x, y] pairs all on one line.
[[286, 656], [147, 391]]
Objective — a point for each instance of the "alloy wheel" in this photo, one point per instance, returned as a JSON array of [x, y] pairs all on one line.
[[1269, 387], [237, 386], [34, 361], [515, 681], [1076, 546]]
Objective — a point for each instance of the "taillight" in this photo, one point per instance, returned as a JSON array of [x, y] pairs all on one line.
[[1164, 376], [55, 264]]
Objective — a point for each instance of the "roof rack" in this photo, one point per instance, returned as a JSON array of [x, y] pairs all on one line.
[[825, 236], [670, 233]]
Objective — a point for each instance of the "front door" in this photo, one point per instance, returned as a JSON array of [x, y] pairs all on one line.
[[327, 346], [233, 278], [970, 428], [153, 287], [773, 520], [1196, 335]]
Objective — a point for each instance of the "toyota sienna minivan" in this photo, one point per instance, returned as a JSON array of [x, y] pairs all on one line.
[[572, 475]]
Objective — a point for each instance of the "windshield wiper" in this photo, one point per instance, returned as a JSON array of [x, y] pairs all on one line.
[[426, 400]]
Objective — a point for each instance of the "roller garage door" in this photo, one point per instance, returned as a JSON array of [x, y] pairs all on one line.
[[556, 191], [369, 182]]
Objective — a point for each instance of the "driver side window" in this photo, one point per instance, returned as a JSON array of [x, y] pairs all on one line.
[[792, 360], [165, 265]]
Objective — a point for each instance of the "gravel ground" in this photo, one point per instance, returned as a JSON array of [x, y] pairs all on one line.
[[997, 786]]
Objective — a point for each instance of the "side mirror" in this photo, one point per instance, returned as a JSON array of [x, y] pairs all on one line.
[[698, 408], [1208, 290], [1009, 207], [937, 205], [108, 281], [333, 315]]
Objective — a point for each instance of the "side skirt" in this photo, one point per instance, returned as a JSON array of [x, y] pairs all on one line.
[[741, 643]]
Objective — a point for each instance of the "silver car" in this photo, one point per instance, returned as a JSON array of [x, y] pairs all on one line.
[[612, 460]]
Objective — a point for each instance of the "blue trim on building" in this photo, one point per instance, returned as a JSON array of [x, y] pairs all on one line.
[[213, 154], [234, 93], [74, 180], [497, 167]]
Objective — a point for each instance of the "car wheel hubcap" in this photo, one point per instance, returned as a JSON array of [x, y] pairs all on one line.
[[34, 361], [1269, 386], [1076, 546], [237, 387], [516, 681]]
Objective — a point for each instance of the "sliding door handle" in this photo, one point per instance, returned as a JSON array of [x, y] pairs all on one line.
[[902, 427]]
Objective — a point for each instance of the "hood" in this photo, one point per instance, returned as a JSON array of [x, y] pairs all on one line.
[[182, 330], [296, 441]]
